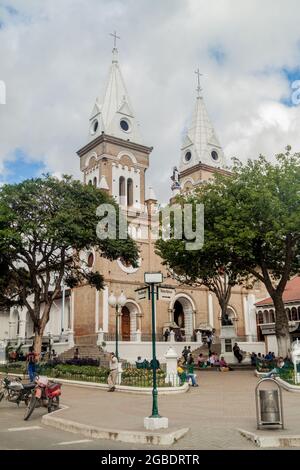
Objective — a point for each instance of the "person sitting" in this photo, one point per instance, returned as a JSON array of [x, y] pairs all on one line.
[[201, 361], [223, 366], [237, 352], [269, 356], [213, 359], [139, 363], [279, 365], [253, 359]]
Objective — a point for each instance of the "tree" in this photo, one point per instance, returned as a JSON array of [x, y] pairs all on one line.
[[258, 223], [209, 266], [45, 226]]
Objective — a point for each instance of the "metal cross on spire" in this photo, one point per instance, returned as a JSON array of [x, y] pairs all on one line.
[[114, 35], [198, 89]]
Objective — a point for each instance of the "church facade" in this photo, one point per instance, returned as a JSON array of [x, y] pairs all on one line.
[[115, 159]]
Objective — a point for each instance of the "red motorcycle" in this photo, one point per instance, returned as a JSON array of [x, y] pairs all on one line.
[[46, 393]]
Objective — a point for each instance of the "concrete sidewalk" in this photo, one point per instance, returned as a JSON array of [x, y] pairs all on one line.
[[214, 412]]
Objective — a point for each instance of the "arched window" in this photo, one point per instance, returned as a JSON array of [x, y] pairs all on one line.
[[129, 192], [260, 318], [90, 260], [288, 314], [294, 314], [266, 316], [272, 316], [95, 182], [122, 190], [90, 182]]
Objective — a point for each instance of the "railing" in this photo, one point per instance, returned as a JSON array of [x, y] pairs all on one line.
[[147, 337]]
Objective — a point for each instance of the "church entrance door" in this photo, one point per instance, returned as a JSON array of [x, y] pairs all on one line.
[[125, 324]]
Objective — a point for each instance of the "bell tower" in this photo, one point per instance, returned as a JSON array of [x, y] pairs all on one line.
[[201, 151], [115, 158]]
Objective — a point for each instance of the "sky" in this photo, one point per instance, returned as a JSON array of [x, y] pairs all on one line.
[[55, 57]]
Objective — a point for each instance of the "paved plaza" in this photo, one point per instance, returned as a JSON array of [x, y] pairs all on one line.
[[213, 412]]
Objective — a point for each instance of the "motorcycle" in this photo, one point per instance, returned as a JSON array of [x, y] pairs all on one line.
[[46, 393], [13, 390]]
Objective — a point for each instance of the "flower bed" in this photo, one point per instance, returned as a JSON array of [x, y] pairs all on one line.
[[130, 376]]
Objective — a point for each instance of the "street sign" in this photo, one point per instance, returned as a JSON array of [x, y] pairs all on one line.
[[166, 293], [142, 294], [153, 278]]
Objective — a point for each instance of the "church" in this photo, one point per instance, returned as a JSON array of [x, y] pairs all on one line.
[[115, 159]]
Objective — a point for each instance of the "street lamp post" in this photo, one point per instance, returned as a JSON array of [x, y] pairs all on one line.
[[117, 303], [155, 421]]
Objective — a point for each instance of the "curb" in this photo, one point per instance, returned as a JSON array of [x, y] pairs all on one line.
[[271, 441], [95, 432]]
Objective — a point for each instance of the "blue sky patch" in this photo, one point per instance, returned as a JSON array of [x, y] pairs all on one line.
[[21, 168], [218, 54]]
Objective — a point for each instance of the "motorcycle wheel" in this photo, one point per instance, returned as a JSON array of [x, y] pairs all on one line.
[[1, 396], [30, 408], [53, 404]]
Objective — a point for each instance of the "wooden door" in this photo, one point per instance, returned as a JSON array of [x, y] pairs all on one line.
[[125, 324]]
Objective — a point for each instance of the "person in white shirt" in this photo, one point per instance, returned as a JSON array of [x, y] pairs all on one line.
[[112, 377]]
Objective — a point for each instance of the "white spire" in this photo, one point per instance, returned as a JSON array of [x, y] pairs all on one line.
[[113, 114], [200, 143]]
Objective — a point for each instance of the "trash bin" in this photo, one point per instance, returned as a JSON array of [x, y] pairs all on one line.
[[268, 405]]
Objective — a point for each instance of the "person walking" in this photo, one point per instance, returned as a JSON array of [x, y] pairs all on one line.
[[209, 342], [112, 376], [237, 352], [31, 361], [166, 334], [190, 371], [185, 354]]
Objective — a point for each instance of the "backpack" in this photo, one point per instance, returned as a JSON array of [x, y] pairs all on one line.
[[31, 358]]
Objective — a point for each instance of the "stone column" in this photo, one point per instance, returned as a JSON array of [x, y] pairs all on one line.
[[246, 317], [22, 326], [172, 337], [171, 371], [105, 309], [199, 337], [70, 330], [170, 312], [96, 311], [210, 310], [138, 336], [12, 323], [133, 316], [188, 324]]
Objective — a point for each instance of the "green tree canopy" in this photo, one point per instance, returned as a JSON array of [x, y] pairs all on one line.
[[254, 224], [45, 225]]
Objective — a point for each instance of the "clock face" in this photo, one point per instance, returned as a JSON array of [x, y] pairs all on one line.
[[124, 124]]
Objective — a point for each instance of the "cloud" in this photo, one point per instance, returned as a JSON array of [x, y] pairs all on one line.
[[55, 57]]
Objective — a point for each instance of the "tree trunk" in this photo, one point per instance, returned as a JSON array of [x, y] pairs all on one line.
[[37, 342], [281, 327]]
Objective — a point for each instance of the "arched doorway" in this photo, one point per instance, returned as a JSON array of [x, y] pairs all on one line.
[[183, 308], [178, 314], [125, 324]]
